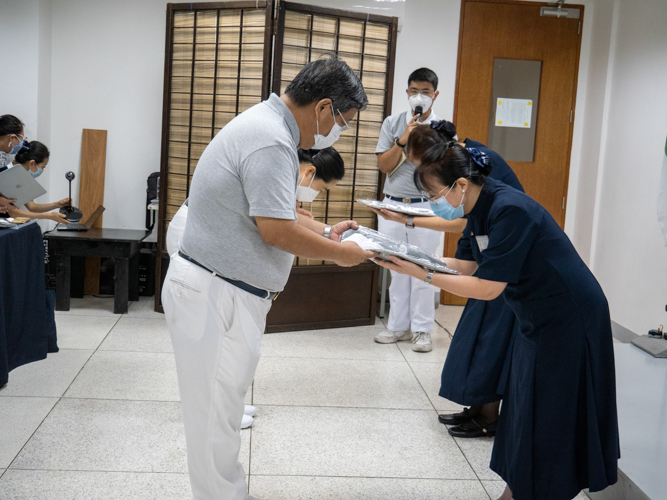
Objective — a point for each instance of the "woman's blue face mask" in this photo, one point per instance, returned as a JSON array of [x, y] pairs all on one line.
[[17, 148], [443, 209]]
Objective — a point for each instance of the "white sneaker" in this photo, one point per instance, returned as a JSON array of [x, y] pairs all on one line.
[[421, 342], [246, 421], [249, 410], [389, 337]]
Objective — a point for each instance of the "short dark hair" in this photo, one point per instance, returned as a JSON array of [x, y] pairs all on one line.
[[328, 77], [424, 75], [328, 164], [10, 125], [35, 151]]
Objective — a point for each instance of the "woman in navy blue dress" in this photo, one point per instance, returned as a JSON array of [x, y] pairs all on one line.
[[476, 357], [558, 428]]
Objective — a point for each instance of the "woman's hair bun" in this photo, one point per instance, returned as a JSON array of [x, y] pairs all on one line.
[[481, 160], [445, 128]]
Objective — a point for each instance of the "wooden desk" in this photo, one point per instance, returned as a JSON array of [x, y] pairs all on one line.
[[119, 244]]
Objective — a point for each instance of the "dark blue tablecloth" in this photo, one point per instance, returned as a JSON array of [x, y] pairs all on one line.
[[27, 327]]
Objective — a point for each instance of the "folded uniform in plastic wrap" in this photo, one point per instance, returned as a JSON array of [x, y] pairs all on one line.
[[395, 206], [368, 239]]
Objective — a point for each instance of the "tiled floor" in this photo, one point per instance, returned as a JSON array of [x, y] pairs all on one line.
[[340, 417]]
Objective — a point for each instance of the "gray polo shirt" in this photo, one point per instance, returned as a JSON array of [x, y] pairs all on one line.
[[249, 169], [401, 183]]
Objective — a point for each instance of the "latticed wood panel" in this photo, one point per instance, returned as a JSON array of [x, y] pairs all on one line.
[[216, 67], [367, 45]]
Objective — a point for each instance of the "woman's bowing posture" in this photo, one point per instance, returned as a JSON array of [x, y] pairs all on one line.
[[558, 429]]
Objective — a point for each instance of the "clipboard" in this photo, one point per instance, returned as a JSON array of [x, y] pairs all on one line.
[[400, 162]]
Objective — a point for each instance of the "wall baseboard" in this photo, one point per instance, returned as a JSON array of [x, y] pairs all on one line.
[[622, 334], [624, 489]]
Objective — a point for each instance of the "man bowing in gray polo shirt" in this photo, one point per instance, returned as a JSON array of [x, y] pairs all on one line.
[[236, 254]]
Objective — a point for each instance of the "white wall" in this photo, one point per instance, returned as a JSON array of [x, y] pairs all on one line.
[[96, 64], [629, 256]]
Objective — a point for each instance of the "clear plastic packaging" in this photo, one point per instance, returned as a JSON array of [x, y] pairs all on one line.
[[368, 239], [395, 206]]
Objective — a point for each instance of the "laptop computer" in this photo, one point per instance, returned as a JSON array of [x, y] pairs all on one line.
[[17, 183], [86, 225]]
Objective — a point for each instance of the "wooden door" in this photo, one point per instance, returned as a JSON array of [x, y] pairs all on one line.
[[505, 29]]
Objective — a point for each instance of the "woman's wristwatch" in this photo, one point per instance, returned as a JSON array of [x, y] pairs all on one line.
[[327, 232], [429, 277], [398, 143], [410, 224]]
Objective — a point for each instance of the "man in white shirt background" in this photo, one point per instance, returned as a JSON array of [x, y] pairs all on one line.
[[412, 307]]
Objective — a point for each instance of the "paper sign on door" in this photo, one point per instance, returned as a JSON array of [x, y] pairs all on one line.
[[513, 112]]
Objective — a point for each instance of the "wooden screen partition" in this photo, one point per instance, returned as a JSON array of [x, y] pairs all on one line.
[[217, 65], [320, 294]]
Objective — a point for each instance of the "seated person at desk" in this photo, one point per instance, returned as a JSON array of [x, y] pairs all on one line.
[[34, 157], [11, 141]]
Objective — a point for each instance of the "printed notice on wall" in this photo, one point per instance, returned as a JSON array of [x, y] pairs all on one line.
[[513, 112]]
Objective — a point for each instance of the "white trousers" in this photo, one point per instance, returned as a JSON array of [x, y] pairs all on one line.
[[412, 305], [176, 229], [216, 330]]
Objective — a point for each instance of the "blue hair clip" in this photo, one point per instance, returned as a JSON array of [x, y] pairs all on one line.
[[439, 125], [25, 146], [479, 157]]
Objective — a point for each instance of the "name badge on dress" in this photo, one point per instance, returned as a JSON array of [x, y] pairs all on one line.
[[482, 242]]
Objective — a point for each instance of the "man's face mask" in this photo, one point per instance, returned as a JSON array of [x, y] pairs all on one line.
[[322, 141]]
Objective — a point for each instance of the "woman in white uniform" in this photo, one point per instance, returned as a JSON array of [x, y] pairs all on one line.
[[318, 171]]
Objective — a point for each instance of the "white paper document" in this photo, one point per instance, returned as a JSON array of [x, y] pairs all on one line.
[[513, 112]]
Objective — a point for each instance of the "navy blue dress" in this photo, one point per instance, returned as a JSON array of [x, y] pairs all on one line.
[[473, 373], [558, 427]]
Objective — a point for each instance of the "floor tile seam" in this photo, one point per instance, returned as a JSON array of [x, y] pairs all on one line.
[[341, 407], [436, 410], [88, 315], [330, 358], [425, 362], [97, 471], [122, 399], [40, 397], [87, 361], [444, 328], [265, 405], [365, 477], [34, 432], [130, 351], [369, 477], [419, 381]]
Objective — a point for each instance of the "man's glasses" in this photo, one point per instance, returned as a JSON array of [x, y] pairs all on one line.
[[426, 92], [345, 127]]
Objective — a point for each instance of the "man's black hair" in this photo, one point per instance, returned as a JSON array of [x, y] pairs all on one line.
[[424, 75], [328, 77]]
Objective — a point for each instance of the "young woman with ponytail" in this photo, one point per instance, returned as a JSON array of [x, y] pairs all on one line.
[[472, 372], [34, 157], [558, 429]]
